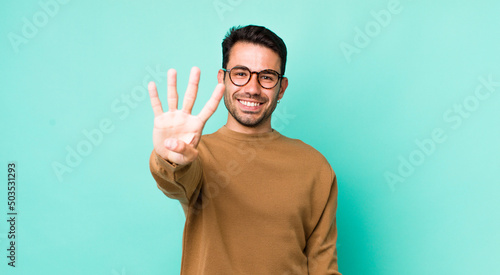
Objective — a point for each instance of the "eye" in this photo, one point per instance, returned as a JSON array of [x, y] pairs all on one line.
[[268, 76], [239, 73]]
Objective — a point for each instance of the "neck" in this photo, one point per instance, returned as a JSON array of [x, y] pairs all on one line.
[[234, 125]]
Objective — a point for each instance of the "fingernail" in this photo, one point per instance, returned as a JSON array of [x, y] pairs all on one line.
[[170, 143]]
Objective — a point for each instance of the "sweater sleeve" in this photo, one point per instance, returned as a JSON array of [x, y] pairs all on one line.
[[181, 183], [321, 249]]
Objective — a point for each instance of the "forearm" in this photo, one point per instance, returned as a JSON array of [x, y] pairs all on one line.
[[321, 246]]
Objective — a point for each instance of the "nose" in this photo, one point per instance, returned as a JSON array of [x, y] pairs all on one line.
[[253, 86]]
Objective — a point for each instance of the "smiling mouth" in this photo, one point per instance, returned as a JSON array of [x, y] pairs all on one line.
[[249, 103]]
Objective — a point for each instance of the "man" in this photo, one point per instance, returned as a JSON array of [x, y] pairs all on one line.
[[256, 202]]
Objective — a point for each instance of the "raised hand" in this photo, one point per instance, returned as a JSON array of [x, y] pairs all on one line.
[[176, 133]]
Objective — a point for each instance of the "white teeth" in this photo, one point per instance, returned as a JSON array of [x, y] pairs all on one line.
[[249, 104]]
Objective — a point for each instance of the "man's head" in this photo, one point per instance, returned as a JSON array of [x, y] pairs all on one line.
[[254, 35], [250, 104]]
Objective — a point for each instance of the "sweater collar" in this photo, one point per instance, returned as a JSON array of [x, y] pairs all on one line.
[[248, 137]]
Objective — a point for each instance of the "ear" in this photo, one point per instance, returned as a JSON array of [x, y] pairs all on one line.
[[220, 76], [283, 86]]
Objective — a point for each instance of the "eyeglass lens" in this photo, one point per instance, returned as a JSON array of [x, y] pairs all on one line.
[[240, 76]]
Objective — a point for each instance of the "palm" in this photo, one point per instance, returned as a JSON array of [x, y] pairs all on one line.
[[176, 133], [177, 125]]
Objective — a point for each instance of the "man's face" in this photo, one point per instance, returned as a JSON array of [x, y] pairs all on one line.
[[251, 105]]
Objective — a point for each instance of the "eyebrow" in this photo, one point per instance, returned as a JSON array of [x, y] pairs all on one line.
[[243, 66]]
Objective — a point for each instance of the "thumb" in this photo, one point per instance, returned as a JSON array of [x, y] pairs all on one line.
[[184, 153]]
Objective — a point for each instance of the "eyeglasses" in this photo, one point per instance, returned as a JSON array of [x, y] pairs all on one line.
[[240, 76]]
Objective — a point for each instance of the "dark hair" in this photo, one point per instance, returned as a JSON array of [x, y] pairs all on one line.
[[257, 35]]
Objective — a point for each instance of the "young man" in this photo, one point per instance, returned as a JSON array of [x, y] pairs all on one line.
[[256, 202]]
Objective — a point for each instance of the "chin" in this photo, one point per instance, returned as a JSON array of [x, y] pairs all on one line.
[[252, 123], [250, 120]]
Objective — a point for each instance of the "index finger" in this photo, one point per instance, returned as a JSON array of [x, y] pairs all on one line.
[[155, 101], [212, 103]]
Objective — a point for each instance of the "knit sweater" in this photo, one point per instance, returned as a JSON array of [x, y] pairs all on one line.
[[254, 204]]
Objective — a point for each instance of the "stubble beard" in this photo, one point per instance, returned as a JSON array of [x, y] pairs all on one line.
[[247, 120]]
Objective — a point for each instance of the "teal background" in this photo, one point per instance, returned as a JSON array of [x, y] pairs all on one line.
[[362, 111]]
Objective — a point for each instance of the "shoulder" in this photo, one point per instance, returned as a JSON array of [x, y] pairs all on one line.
[[302, 148], [306, 154]]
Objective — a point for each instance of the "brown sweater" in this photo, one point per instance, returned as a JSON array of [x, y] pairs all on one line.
[[254, 204]]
